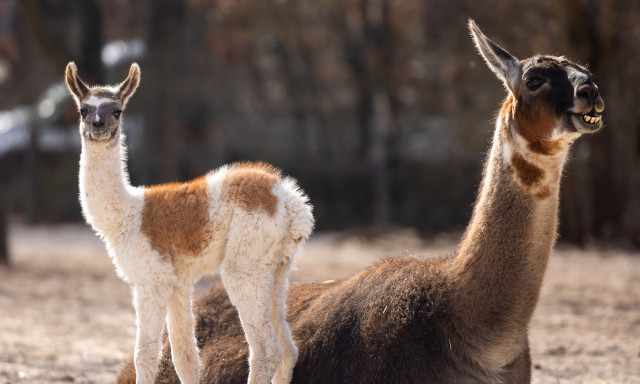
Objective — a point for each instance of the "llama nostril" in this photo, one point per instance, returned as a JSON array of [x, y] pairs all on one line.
[[587, 91], [97, 124]]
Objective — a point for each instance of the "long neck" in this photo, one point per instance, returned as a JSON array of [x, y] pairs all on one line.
[[502, 257], [105, 193]]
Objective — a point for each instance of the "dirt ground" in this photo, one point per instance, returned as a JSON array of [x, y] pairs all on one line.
[[65, 317]]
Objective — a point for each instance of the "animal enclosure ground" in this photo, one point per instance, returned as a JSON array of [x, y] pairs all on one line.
[[65, 316]]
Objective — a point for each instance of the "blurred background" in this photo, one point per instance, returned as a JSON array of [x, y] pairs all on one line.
[[382, 109]]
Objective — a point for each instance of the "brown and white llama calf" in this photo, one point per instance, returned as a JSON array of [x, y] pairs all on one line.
[[245, 218], [458, 319]]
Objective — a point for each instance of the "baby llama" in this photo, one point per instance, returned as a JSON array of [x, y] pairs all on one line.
[[245, 218]]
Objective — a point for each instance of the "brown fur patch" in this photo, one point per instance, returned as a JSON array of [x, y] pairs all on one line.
[[505, 115], [543, 193], [528, 173], [249, 185], [547, 147], [535, 121], [175, 217], [534, 124], [506, 110]]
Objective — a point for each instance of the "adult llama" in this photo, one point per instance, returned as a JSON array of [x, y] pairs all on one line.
[[457, 319]]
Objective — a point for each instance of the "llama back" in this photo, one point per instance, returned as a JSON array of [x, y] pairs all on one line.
[[261, 187]]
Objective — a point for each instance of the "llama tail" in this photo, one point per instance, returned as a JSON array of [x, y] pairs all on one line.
[[297, 205]]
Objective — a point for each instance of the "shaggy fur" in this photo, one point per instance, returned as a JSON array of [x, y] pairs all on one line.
[[459, 319], [245, 218]]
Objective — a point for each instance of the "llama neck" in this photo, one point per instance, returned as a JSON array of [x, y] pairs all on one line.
[[502, 257], [105, 193]]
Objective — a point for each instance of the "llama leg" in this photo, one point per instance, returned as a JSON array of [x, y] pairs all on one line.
[[150, 302], [250, 294], [184, 350], [279, 317]]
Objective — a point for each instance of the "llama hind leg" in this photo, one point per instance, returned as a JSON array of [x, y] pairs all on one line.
[[250, 294], [279, 316], [150, 302], [184, 350]]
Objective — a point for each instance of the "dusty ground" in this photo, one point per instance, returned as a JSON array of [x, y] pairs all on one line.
[[65, 317]]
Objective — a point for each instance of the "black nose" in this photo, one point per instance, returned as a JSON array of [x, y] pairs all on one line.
[[587, 91], [97, 124]]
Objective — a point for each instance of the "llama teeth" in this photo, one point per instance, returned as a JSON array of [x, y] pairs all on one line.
[[591, 119]]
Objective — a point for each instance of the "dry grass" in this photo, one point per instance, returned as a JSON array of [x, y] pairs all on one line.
[[65, 316]]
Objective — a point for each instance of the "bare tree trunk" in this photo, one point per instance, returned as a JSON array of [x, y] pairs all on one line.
[[161, 92], [4, 249], [369, 55], [87, 55], [56, 52], [379, 158], [377, 31], [54, 39], [91, 41], [352, 28], [31, 174]]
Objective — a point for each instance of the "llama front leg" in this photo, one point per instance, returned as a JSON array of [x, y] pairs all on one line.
[[250, 294], [279, 316], [184, 350], [150, 302]]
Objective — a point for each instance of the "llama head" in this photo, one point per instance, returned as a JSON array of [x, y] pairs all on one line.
[[551, 99], [101, 107]]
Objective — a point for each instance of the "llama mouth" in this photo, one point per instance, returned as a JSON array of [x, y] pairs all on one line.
[[586, 122], [591, 119], [101, 136]]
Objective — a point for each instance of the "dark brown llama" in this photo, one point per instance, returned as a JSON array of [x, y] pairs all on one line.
[[458, 319]]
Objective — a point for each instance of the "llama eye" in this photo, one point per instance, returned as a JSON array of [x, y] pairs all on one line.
[[83, 112], [534, 83], [117, 114]]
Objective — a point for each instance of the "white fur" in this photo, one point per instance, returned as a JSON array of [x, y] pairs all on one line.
[[254, 250], [96, 101]]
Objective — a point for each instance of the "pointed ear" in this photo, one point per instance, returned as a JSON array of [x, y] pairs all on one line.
[[76, 86], [502, 63], [128, 87]]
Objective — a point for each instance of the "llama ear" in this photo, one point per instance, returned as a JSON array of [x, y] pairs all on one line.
[[76, 86], [128, 87], [501, 62]]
